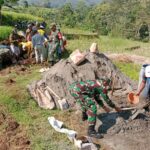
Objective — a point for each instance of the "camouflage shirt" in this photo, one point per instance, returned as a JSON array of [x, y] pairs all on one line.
[[93, 89]]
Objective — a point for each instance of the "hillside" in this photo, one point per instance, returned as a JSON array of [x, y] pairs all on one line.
[[58, 3]]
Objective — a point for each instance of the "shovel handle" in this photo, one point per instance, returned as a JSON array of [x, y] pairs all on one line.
[[130, 108]]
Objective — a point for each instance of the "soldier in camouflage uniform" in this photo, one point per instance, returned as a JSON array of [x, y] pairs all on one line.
[[88, 94], [55, 44]]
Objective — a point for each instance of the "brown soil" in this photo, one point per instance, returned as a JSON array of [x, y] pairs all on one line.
[[12, 135], [127, 58]]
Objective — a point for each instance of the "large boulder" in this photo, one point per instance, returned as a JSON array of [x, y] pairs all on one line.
[[5, 56], [65, 72]]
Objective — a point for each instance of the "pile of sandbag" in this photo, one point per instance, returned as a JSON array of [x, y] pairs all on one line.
[[81, 66]]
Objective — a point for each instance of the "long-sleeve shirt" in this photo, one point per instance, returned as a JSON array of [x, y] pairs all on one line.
[[93, 89]]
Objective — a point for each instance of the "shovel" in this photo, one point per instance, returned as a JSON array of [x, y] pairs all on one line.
[[138, 111], [63, 104]]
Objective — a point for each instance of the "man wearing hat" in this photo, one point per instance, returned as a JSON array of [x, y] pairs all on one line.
[[88, 94], [41, 31], [38, 45], [145, 83], [55, 42]]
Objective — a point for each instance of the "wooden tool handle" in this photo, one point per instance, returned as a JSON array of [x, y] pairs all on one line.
[[52, 92]]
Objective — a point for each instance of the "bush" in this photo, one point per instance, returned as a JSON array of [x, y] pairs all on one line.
[[12, 18], [5, 31]]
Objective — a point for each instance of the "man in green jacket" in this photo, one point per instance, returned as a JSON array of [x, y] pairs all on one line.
[[88, 94]]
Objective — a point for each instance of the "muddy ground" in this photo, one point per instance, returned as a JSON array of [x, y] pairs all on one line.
[[119, 134], [12, 135]]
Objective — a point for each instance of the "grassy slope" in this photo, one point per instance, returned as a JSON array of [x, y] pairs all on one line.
[[18, 103], [111, 45], [5, 31]]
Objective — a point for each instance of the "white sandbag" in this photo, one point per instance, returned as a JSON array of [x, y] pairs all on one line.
[[57, 125], [94, 48], [77, 57], [63, 104], [44, 101]]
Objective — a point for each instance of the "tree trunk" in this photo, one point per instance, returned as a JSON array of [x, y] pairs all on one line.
[[0, 15]]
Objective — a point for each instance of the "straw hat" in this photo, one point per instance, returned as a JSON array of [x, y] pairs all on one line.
[[52, 24], [133, 98]]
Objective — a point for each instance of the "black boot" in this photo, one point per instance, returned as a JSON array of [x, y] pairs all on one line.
[[93, 133], [84, 116]]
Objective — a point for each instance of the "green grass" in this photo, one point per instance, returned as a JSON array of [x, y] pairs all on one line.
[[129, 69], [5, 31], [75, 31], [18, 103], [108, 44]]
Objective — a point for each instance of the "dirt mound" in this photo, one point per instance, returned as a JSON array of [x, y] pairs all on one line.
[[96, 65], [12, 136], [120, 133]]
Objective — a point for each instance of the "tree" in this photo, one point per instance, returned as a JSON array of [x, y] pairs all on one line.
[[6, 3], [25, 3], [81, 11], [67, 15], [1, 4]]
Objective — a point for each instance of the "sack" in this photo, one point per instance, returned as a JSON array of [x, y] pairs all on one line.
[[94, 48], [147, 71], [77, 57]]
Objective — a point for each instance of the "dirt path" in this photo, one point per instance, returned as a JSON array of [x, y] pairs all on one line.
[[127, 58]]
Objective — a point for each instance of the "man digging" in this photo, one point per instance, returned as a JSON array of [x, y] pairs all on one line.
[[88, 94]]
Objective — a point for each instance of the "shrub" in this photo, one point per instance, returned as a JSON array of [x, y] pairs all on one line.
[[11, 18], [4, 32]]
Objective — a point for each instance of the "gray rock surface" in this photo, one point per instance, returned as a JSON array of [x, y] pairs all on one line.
[[4, 55]]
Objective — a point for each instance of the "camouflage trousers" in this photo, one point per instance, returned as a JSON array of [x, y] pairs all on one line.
[[88, 105], [53, 51]]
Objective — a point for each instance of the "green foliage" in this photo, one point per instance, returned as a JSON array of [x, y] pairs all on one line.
[[49, 15], [4, 32], [11, 18], [131, 70], [67, 15], [116, 17], [1, 2]]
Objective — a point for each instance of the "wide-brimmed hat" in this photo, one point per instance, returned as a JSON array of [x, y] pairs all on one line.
[[52, 24]]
